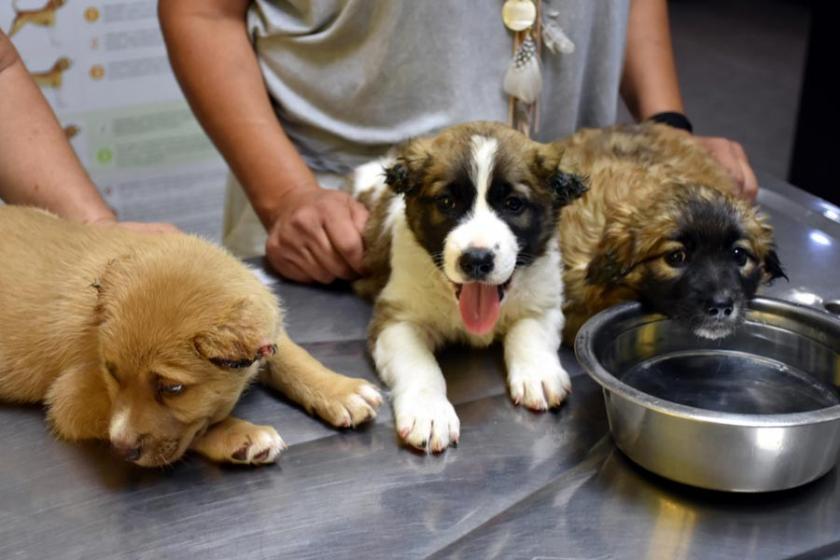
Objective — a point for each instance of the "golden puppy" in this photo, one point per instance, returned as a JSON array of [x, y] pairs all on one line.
[[659, 224], [148, 341]]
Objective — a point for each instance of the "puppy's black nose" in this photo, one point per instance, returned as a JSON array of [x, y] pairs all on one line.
[[476, 263], [126, 451], [720, 306]]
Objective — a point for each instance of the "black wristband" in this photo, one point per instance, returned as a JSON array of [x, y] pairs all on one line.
[[673, 119]]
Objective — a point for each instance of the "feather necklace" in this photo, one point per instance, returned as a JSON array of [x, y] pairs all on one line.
[[523, 79]]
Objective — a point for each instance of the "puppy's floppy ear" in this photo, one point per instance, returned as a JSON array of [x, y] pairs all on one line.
[[759, 230], [115, 276], [567, 187], [773, 267], [397, 177], [407, 172], [613, 258], [237, 340], [564, 186]]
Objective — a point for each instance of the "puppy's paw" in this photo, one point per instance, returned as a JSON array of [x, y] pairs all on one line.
[[259, 446], [240, 442], [426, 421], [347, 403], [539, 384]]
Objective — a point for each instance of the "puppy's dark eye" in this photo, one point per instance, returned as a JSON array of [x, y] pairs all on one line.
[[676, 258], [170, 390], [514, 204], [445, 203], [112, 370], [740, 255]]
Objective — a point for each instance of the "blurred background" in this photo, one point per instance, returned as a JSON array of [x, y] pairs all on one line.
[[103, 68]]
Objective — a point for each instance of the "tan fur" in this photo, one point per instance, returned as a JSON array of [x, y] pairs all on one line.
[[93, 320], [639, 179], [43, 16], [377, 259], [53, 77]]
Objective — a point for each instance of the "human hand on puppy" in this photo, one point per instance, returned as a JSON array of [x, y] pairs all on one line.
[[732, 157], [316, 236]]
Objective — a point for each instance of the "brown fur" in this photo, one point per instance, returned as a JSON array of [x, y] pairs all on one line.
[[640, 179], [377, 259], [94, 320], [43, 16], [423, 198], [431, 160]]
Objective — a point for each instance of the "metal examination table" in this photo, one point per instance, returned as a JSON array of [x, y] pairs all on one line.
[[520, 485]]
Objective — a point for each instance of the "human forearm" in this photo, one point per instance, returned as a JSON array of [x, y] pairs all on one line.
[[649, 83], [37, 165], [218, 71]]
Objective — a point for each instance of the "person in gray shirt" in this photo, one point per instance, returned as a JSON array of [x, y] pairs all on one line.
[[294, 93]]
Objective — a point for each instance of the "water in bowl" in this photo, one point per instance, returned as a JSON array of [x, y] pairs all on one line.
[[728, 381]]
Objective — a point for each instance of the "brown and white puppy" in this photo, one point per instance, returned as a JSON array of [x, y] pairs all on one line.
[[659, 224], [462, 246], [148, 341]]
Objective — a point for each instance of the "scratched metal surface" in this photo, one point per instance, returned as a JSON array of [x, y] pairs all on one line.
[[520, 485]]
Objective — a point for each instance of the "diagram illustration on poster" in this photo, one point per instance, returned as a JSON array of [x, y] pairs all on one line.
[[102, 65], [43, 16]]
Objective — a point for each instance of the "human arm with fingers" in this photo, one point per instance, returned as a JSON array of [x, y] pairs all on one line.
[[37, 165], [314, 234], [650, 89]]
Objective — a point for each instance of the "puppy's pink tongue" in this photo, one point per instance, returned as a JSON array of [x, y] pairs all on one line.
[[479, 304]]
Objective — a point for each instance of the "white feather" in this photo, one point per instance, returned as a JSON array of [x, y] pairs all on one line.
[[555, 39], [523, 79]]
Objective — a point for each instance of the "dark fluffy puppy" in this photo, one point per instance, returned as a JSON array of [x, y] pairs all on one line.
[[659, 224]]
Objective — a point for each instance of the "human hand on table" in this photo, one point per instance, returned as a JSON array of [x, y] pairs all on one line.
[[732, 157], [316, 236]]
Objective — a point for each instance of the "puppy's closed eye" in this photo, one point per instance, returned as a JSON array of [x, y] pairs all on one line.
[[170, 389]]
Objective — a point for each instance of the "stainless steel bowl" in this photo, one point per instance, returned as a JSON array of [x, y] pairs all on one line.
[[754, 412]]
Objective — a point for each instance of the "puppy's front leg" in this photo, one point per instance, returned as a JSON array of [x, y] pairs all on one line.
[[535, 376], [78, 406], [236, 441], [425, 419], [340, 400]]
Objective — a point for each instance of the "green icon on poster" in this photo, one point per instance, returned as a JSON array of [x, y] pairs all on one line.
[[104, 155]]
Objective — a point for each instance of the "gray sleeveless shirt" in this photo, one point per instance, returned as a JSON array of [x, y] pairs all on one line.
[[350, 78]]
